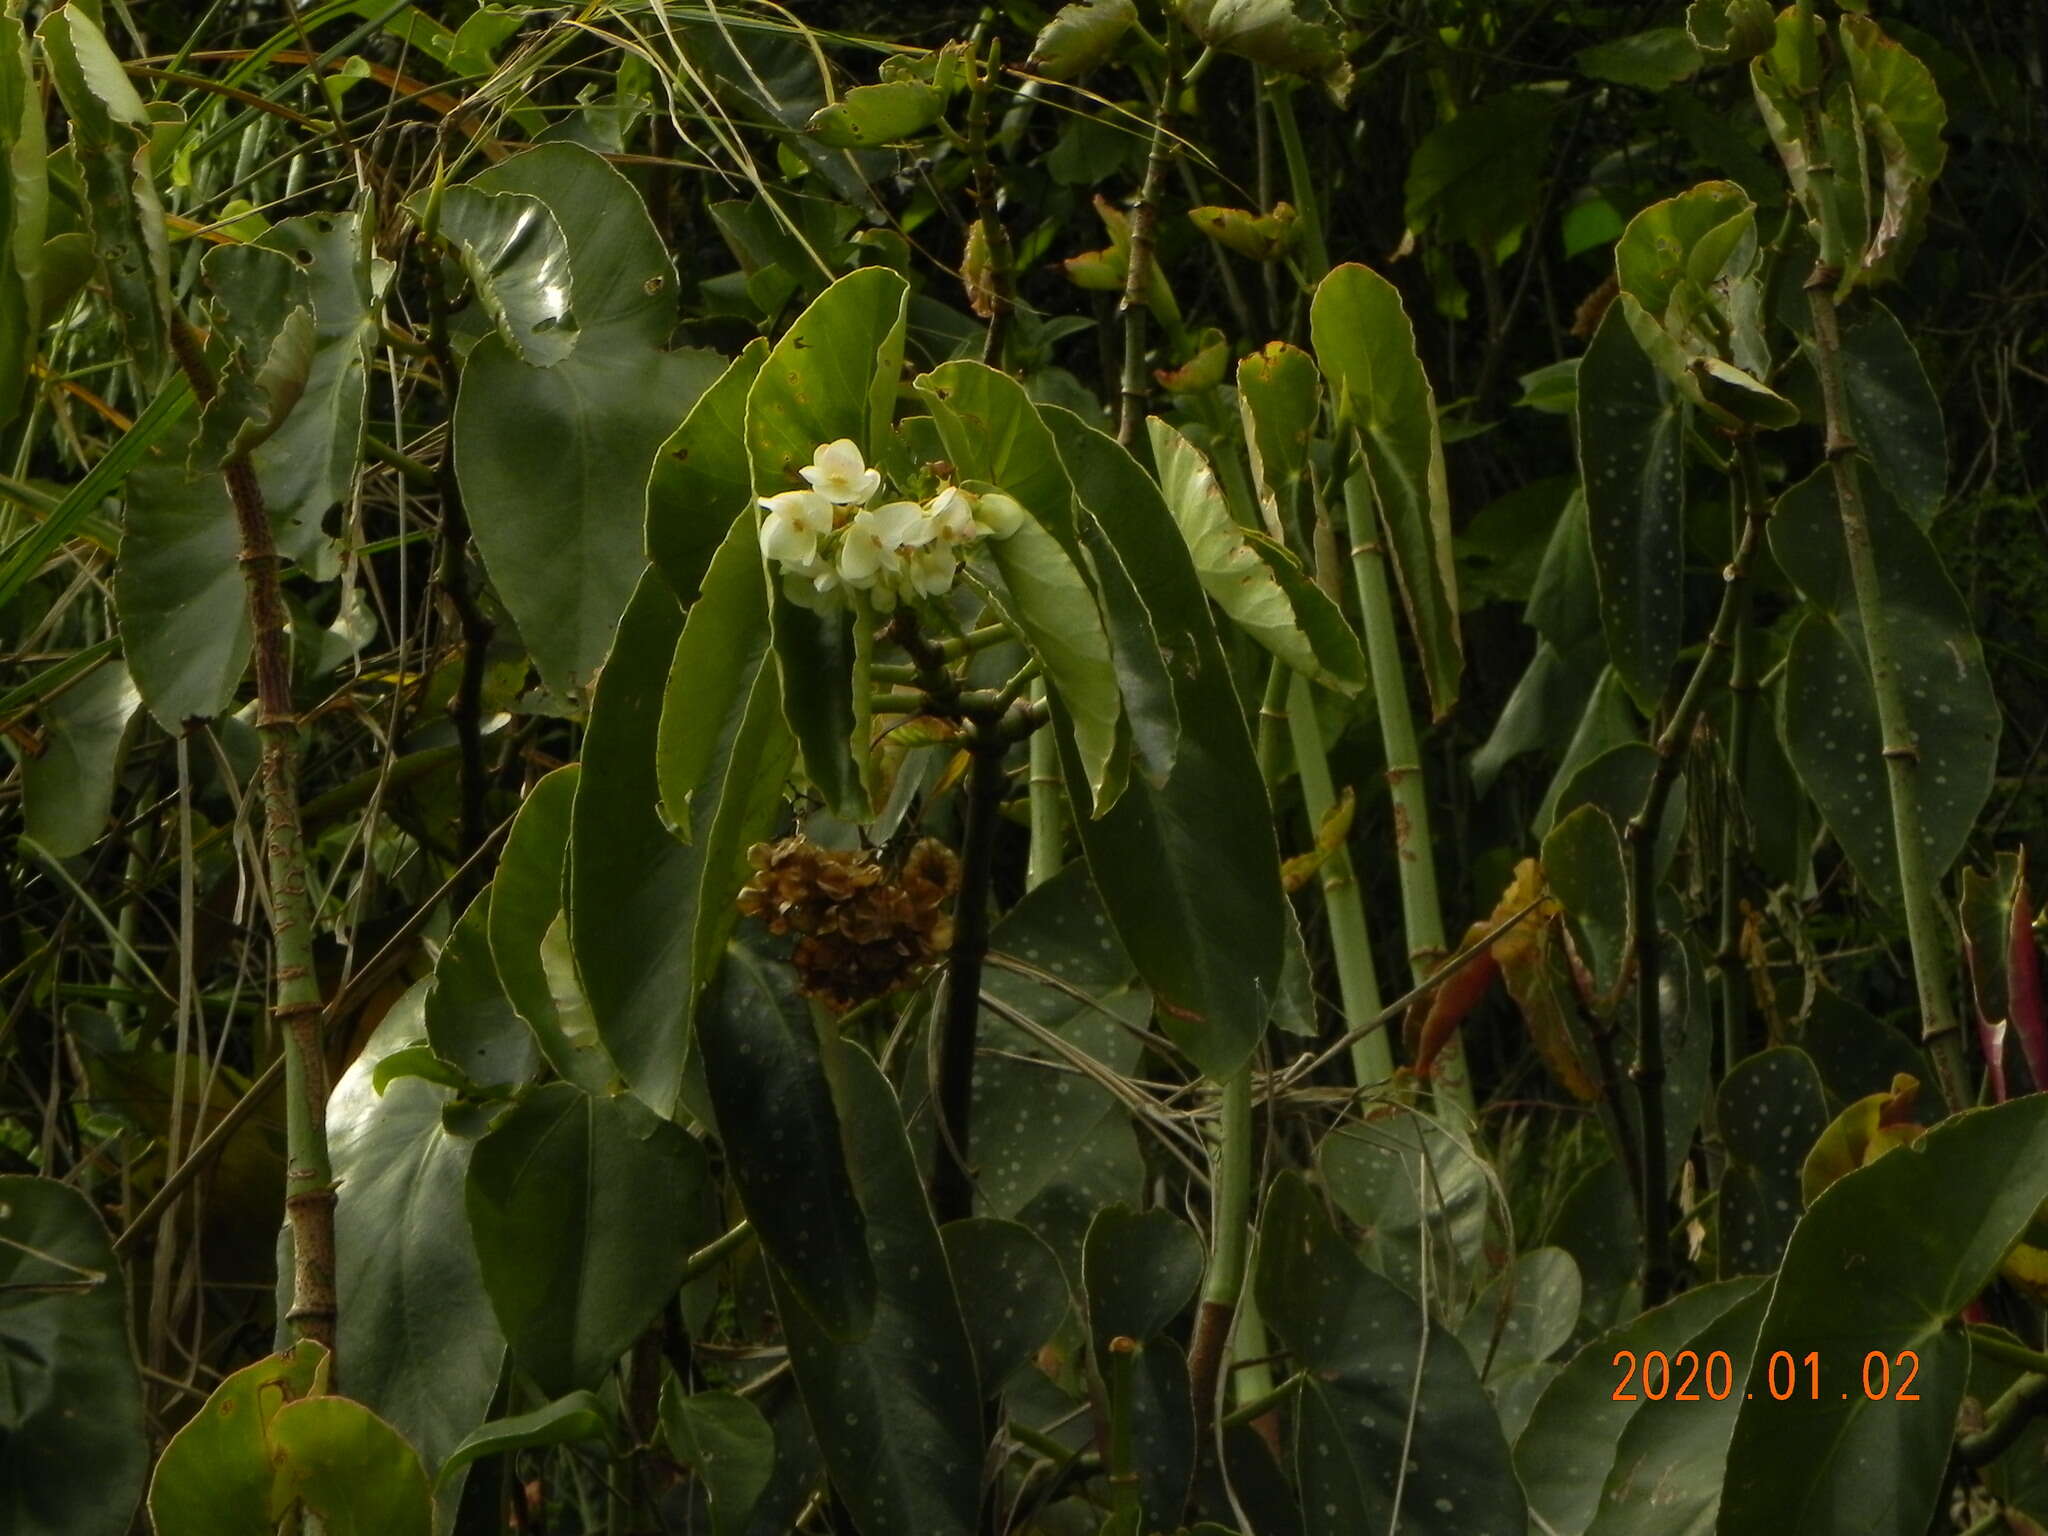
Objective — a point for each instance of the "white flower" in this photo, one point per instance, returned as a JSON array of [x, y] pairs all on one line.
[[795, 522], [952, 514], [838, 473], [873, 541], [999, 514], [813, 584], [928, 570]]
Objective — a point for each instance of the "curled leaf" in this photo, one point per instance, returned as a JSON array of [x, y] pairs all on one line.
[[1861, 1134], [874, 115], [1081, 36], [1260, 236], [1296, 872], [1298, 37], [1202, 371]]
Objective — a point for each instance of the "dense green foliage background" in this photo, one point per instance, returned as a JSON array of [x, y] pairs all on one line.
[[1092, 980]]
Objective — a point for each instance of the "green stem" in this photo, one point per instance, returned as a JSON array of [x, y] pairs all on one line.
[[1414, 850], [1230, 1221], [1315, 256], [1144, 241], [1640, 836], [1940, 1028], [1273, 723], [296, 1004], [1048, 811], [952, 1171], [451, 570], [714, 1252], [1742, 691], [1991, 1346], [2006, 1420], [1358, 984], [864, 699], [1257, 1406], [994, 237], [1123, 1471]]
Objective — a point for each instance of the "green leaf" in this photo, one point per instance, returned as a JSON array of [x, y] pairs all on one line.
[[350, 1468], [1731, 30], [580, 1416], [1630, 425], [1012, 1294], [261, 306], [832, 375], [1666, 1471], [553, 462], [215, 1477], [1568, 1449], [1894, 414], [416, 1328], [627, 878], [722, 753], [1279, 397], [1882, 1263], [517, 260], [782, 1139], [179, 592], [1903, 113], [1856, 1053], [722, 1437], [1770, 1111], [1367, 350], [1476, 177], [1618, 781], [1298, 37], [702, 477], [1672, 254], [1829, 708], [1519, 1321], [870, 116], [994, 433], [110, 137], [1080, 36], [896, 1409], [1139, 1270], [1654, 60], [311, 461], [1189, 873], [1997, 913], [525, 908], [67, 788], [1292, 618], [24, 210], [271, 1441], [73, 1400], [81, 504], [1054, 962], [1392, 1427], [1420, 1193], [1585, 865], [615, 1190], [471, 1023]]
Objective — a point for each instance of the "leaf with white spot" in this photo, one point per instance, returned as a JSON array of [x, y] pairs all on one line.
[[1829, 718], [1631, 423], [1770, 1112]]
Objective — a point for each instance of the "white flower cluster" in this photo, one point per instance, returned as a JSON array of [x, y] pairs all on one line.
[[828, 537]]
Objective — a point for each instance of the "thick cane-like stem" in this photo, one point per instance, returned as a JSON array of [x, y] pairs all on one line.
[[295, 1003]]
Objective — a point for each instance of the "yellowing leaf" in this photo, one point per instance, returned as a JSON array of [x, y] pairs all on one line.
[[1861, 1134]]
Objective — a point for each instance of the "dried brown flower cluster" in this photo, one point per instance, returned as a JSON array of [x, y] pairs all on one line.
[[864, 928]]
